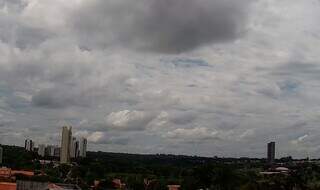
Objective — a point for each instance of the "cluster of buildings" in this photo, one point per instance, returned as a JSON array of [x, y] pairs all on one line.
[[71, 147], [42, 149]]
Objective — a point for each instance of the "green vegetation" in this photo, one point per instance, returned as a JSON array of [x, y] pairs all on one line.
[[16, 157], [160, 170]]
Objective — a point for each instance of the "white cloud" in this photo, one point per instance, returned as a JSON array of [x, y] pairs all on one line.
[[198, 133], [259, 86], [129, 120], [96, 137], [299, 139]]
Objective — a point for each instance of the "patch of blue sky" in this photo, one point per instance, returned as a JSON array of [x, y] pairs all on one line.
[[289, 86], [12, 102]]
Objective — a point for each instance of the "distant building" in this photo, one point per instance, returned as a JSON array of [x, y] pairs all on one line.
[[8, 186], [31, 185], [282, 169], [276, 171], [42, 150], [65, 145], [74, 149], [35, 149], [271, 152], [34, 185], [57, 151], [60, 186], [22, 172], [1, 155], [29, 145], [118, 184], [49, 151], [5, 172], [9, 173], [173, 187], [83, 147]]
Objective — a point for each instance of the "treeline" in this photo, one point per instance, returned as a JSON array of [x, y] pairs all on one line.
[[16, 157], [160, 170], [191, 172]]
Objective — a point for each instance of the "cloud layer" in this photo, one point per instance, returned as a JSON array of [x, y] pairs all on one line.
[[204, 77], [160, 26]]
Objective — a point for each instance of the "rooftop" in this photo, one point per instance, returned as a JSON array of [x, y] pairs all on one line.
[[8, 186]]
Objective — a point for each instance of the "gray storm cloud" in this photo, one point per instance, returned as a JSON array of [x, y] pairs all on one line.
[[162, 26], [71, 66], [16, 31], [12, 5]]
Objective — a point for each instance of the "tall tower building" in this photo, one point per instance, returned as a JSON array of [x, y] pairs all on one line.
[[77, 149], [82, 147], [65, 145], [50, 150], [1, 155], [41, 150], [271, 152], [74, 148], [56, 152], [28, 145]]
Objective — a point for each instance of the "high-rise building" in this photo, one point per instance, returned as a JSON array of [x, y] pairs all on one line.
[[50, 150], [271, 152], [82, 147], [57, 151], [1, 155], [42, 150], [74, 149], [65, 145], [73, 140], [28, 145]]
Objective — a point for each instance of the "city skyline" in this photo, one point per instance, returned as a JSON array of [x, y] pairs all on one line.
[[77, 147], [80, 150], [223, 80], [70, 147]]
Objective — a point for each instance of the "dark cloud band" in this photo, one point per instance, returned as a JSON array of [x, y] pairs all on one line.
[[163, 26]]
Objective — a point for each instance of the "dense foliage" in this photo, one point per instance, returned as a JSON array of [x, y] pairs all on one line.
[[158, 171]]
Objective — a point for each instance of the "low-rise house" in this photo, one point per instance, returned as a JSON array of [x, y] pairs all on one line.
[[118, 184], [8, 186], [173, 187], [34, 185], [59, 186], [8, 173]]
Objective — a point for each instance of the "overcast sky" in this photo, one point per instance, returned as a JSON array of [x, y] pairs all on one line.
[[195, 77]]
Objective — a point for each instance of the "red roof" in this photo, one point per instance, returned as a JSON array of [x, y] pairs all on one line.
[[26, 173], [8, 186], [54, 187], [7, 172], [174, 187]]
